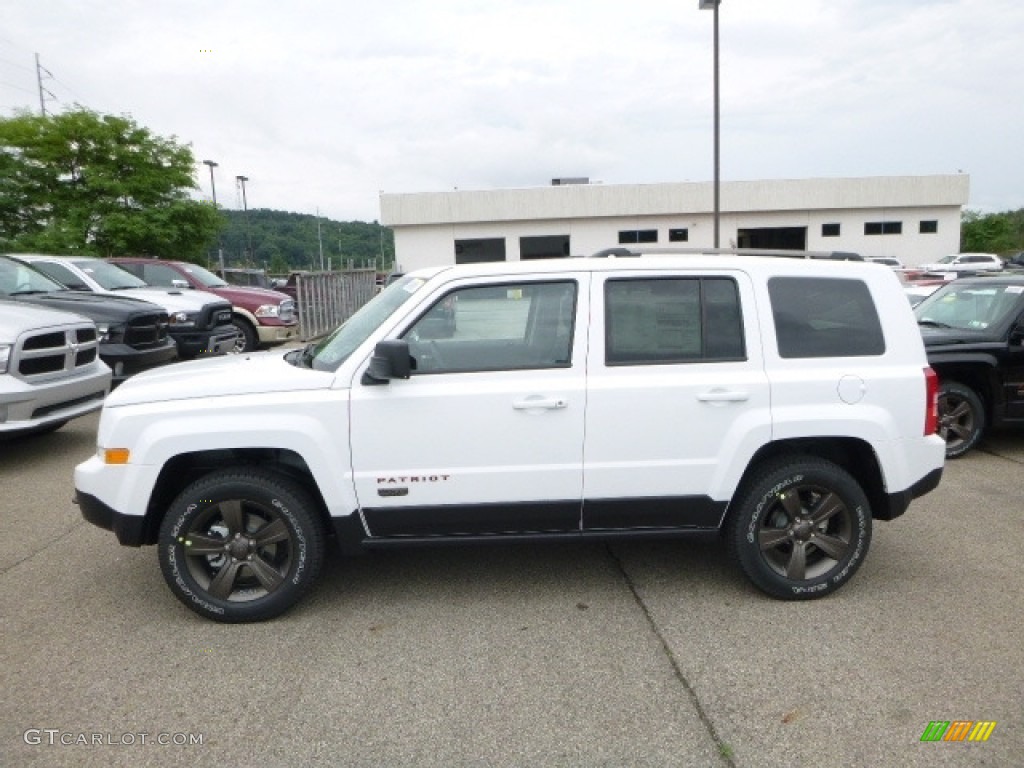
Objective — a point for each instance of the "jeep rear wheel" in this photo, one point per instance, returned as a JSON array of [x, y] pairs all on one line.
[[961, 418], [801, 528], [241, 545]]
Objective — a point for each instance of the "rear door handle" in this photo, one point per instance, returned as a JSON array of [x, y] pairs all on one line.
[[536, 403], [723, 396]]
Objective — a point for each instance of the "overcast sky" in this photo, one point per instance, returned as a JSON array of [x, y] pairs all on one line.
[[323, 104]]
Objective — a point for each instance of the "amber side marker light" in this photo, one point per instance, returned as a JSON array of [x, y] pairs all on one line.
[[116, 455]]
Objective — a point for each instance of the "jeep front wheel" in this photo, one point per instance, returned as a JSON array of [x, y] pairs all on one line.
[[241, 545], [961, 418], [801, 528]]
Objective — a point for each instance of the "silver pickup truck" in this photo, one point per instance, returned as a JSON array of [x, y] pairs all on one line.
[[50, 371]]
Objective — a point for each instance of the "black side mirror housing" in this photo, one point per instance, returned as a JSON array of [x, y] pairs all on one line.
[[390, 360]]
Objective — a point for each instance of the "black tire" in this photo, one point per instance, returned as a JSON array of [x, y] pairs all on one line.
[[961, 418], [801, 528], [241, 545], [247, 340]]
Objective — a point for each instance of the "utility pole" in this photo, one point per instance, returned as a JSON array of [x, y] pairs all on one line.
[[213, 189], [320, 239], [43, 93], [245, 214]]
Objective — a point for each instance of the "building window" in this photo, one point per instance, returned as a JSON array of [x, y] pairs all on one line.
[[929, 227], [678, 235], [830, 230], [883, 228], [638, 236]]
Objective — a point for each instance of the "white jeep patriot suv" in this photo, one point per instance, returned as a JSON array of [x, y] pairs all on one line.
[[783, 403]]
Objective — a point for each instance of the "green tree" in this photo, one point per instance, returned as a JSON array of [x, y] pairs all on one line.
[[992, 232], [81, 182]]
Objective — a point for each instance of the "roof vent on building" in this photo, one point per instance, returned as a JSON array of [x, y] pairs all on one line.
[[561, 182]]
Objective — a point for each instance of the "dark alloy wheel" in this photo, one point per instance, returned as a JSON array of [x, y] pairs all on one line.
[[800, 528], [961, 418], [241, 545], [247, 340]]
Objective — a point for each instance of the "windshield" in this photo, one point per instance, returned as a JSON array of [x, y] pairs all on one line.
[[969, 307], [204, 276], [336, 348], [110, 276], [17, 279]]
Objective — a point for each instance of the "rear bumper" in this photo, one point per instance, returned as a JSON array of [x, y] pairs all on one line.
[[897, 503]]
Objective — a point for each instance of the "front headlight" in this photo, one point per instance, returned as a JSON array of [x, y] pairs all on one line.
[[268, 310], [181, 319], [5, 356], [109, 332]]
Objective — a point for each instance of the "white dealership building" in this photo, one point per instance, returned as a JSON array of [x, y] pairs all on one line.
[[914, 218]]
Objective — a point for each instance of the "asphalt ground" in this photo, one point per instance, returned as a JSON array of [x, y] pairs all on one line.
[[640, 654]]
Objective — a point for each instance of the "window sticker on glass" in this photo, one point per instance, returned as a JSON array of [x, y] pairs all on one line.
[[1015, 289]]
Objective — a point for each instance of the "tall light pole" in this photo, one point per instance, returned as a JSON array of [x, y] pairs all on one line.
[[245, 213], [213, 189], [713, 5]]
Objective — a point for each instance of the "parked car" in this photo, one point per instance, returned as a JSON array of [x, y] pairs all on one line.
[[200, 323], [262, 317], [255, 278], [965, 262], [785, 405], [973, 330], [50, 370], [133, 334]]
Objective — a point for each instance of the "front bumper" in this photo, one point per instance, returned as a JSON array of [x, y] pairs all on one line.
[[129, 529], [277, 334], [25, 407], [125, 361], [219, 341]]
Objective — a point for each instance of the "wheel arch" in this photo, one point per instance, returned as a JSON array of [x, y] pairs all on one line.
[[854, 455], [976, 373], [181, 470]]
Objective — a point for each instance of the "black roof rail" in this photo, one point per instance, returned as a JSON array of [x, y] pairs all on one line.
[[775, 253]]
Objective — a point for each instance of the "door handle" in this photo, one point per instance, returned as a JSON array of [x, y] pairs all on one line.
[[723, 396], [536, 402]]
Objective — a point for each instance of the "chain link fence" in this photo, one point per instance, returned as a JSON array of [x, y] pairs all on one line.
[[327, 299]]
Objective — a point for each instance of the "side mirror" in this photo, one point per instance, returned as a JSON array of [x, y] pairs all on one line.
[[390, 360]]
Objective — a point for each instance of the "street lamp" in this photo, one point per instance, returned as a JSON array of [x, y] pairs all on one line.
[[713, 5], [213, 189], [245, 212]]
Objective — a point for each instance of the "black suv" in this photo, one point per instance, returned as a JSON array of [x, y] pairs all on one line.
[[133, 333], [973, 330]]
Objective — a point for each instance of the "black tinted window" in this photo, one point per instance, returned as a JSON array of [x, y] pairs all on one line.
[[672, 320], [824, 317]]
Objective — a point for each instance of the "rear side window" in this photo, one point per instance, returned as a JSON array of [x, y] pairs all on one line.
[[672, 320], [825, 317]]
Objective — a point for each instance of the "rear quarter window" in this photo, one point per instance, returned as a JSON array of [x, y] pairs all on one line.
[[825, 317]]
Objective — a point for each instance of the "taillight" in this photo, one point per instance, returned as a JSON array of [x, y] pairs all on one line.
[[931, 409]]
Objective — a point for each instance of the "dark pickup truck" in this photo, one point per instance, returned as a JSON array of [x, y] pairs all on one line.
[[973, 330], [133, 334]]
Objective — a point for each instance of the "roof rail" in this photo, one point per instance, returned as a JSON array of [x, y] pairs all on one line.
[[622, 252]]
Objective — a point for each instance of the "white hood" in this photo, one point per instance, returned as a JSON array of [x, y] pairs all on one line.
[[172, 299], [250, 374]]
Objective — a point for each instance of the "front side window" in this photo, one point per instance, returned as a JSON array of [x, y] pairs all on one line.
[[824, 317], [512, 326], [651, 321]]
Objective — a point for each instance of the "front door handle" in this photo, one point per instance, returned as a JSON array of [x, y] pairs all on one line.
[[537, 403]]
